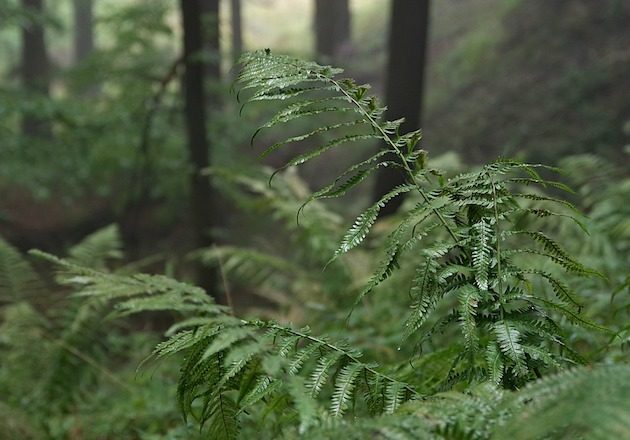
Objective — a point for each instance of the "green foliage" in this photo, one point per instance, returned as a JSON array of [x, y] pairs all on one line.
[[231, 364], [478, 258], [579, 403], [482, 298], [18, 279]]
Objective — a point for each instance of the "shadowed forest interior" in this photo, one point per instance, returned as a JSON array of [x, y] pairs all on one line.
[[282, 219]]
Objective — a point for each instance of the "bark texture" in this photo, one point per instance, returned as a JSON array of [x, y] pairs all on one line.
[[408, 36], [332, 27], [35, 67], [201, 195]]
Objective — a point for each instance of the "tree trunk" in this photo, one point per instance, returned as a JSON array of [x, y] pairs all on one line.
[[35, 67], [83, 29], [201, 197], [210, 36], [237, 30], [332, 27], [408, 37]]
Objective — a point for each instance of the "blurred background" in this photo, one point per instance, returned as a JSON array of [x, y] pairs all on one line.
[[93, 127], [119, 122]]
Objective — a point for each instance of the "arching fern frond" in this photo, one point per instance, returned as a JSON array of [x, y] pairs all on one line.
[[230, 364]]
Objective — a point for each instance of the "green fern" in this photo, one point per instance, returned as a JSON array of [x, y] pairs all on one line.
[[579, 403], [230, 364], [479, 255], [480, 269], [97, 248], [18, 279]]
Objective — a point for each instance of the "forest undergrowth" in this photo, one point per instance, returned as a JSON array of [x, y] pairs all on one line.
[[489, 306]]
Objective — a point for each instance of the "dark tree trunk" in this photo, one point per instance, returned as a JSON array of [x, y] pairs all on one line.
[[332, 27], [408, 37], [201, 197], [83, 29], [211, 44], [35, 67], [237, 30]]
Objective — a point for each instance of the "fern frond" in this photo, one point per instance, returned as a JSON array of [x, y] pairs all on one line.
[[554, 249], [18, 279], [97, 248]]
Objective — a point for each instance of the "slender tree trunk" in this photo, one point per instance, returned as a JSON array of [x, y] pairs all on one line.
[[211, 44], [408, 37], [35, 67], [201, 197], [83, 29], [237, 30], [332, 27]]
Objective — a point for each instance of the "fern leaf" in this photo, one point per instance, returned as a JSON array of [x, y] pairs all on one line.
[[556, 250], [572, 316], [222, 421], [263, 387], [303, 158], [344, 388], [468, 302], [302, 356], [562, 290], [394, 396], [508, 338], [482, 253], [305, 405], [364, 222], [426, 297], [302, 137], [385, 267], [320, 374], [494, 363]]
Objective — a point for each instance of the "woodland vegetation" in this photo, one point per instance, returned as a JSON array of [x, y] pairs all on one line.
[[424, 233]]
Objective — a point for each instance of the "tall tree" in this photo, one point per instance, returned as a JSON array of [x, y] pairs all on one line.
[[35, 66], [83, 28], [332, 27], [408, 36], [201, 196], [237, 30], [211, 43]]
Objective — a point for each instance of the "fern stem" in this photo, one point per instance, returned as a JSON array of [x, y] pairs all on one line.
[[392, 144], [332, 347], [498, 240]]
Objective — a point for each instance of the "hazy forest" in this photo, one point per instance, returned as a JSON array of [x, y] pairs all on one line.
[[317, 219]]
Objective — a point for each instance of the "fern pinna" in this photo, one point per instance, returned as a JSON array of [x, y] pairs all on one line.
[[464, 234]]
